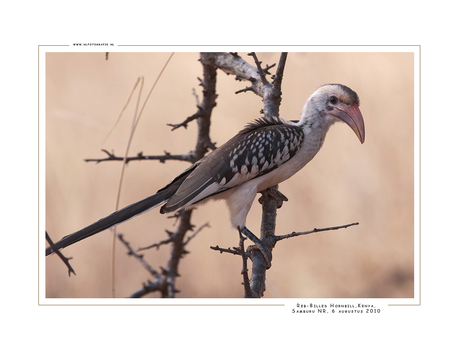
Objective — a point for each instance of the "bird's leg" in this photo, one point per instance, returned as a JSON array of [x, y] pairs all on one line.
[[275, 194], [258, 243]]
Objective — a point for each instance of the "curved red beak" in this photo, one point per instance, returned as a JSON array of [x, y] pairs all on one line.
[[351, 115]]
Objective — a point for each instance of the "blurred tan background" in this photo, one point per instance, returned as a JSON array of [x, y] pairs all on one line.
[[372, 184]]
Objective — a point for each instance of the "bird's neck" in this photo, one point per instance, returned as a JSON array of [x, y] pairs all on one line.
[[315, 127]]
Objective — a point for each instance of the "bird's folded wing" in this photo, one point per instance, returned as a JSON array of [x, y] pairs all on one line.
[[258, 149]]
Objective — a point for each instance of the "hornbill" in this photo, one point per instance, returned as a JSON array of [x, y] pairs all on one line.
[[263, 154]]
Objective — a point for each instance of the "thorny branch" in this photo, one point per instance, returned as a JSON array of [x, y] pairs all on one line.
[[151, 286], [177, 239], [189, 157], [200, 113], [235, 65], [177, 252], [139, 257], [294, 234], [171, 238], [244, 271], [194, 233], [186, 121], [275, 239], [257, 282], [203, 143], [166, 280], [234, 251], [262, 73], [60, 255]]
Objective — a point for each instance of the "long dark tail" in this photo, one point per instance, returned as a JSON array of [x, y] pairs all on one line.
[[115, 218]]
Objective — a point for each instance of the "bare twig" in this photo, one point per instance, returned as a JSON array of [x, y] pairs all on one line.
[[196, 95], [248, 88], [244, 271], [138, 257], [177, 252], [201, 112], [189, 157], [234, 251], [151, 286], [234, 64], [202, 146], [278, 77], [58, 253], [196, 232], [294, 234], [170, 239], [165, 281], [261, 71], [176, 216], [186, 121]]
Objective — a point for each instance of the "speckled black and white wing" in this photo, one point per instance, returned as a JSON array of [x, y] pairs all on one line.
[[258, 149]]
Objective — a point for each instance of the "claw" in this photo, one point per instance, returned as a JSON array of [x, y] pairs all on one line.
[[259, 245], [275, 194]]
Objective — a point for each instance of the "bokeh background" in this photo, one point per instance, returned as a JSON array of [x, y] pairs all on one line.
[[372, 184]]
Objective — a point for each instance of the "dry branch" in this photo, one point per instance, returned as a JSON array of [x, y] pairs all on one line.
[[244, 270], [165, 281], [177, 239], [64, 259], [140, 258], [189, 157]]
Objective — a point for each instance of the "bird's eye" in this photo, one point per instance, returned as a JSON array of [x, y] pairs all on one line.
[[333, 100]]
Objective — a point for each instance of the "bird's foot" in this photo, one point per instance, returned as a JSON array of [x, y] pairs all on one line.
[[275, 194], [259, 245]]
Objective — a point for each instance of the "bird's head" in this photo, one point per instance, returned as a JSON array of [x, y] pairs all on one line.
[[333, 102]]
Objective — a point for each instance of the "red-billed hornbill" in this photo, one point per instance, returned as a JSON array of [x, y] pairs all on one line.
[[265, 153]]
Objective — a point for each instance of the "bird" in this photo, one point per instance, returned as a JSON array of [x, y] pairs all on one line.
[[263, 154]]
